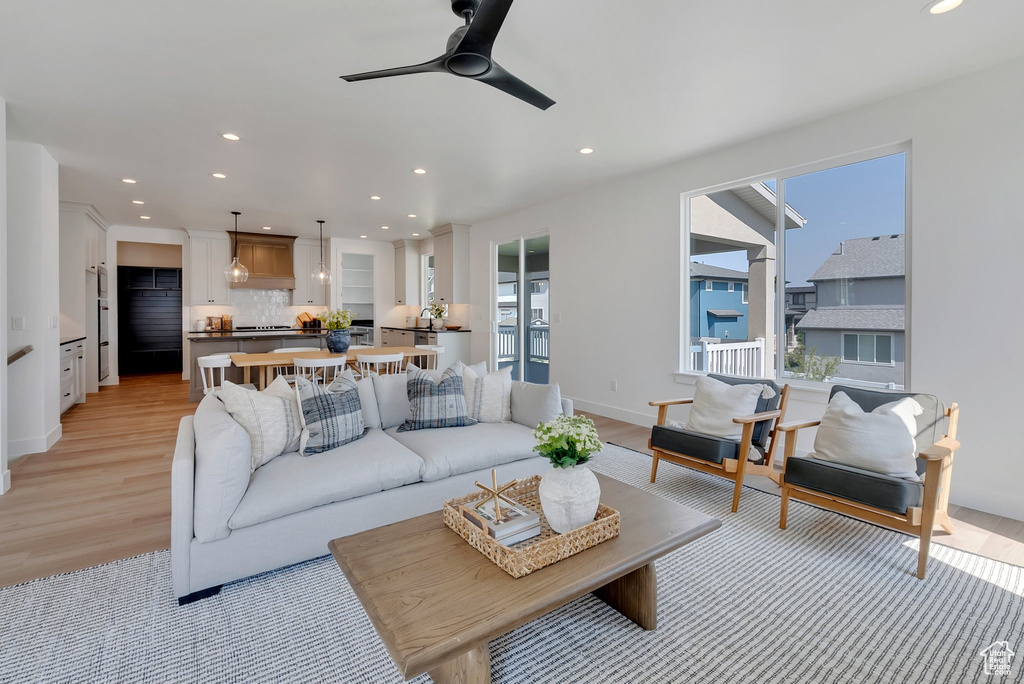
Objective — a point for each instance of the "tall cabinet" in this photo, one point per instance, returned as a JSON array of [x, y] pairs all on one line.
[[407, 282], [451, 263], [209, 255], [307, 257]]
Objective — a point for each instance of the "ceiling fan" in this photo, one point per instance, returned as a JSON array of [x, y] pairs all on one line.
[[469, 53]]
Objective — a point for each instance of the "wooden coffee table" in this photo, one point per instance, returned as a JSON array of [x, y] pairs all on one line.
[[436, 601]]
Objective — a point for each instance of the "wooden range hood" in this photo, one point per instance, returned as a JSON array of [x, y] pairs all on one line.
[[269, 260]]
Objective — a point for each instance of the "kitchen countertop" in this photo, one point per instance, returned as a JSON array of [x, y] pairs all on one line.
[[255, 334], [424, 329], [69, 340]]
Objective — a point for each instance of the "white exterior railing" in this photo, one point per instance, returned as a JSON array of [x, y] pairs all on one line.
[[745, 359]]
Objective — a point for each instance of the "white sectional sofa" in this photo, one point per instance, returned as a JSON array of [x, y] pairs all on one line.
[[227, 524]]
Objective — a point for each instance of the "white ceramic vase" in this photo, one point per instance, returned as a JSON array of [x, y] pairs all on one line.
[[569, 497], [437, 323]]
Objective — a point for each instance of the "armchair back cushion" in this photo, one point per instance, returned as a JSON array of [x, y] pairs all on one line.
[[930, 423]]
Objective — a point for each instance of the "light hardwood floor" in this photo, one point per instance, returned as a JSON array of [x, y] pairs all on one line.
[[102, 493]]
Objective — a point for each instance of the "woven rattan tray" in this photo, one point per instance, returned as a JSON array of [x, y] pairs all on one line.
[[533, 554]]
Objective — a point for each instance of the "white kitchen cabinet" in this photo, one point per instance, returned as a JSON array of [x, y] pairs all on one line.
[[451, 263], [392, 337], [72, 374], [407, 273], [306, 256], [95, 246], [209, 257]]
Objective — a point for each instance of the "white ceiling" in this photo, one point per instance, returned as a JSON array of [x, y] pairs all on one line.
[[118, 88]]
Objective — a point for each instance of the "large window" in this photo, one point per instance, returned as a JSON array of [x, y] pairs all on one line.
[[835, 234]]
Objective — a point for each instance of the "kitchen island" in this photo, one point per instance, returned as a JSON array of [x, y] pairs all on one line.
[[244, 342]]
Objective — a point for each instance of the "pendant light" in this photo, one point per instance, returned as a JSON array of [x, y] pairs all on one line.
[[235, 271], [322, 274]]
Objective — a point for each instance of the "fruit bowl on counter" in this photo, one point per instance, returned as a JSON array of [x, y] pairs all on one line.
[[453, 327]]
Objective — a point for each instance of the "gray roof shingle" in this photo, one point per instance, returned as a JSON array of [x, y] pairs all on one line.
[[869, 257], [705, 271], [854, 318]]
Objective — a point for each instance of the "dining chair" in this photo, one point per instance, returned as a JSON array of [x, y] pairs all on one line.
[[321, 371], [208, 367], [379, 363], [288, 370], [432, 360]]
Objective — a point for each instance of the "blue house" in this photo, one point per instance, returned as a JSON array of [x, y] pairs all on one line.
[[718, 302]]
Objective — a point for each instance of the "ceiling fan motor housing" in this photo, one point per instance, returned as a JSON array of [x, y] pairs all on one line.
[[462, 6]]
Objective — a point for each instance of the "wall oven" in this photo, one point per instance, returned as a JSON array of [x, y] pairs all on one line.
[[101, 282]]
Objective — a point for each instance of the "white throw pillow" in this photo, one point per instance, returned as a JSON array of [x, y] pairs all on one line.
[[488, 397], [392, 398], [271, 417], [716, 403], [881, 441]]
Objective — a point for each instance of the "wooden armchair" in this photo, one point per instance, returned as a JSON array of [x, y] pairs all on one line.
[[717, 455], [904, 505]]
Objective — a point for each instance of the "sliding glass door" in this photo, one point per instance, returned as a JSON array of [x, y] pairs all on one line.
[[522, 283]]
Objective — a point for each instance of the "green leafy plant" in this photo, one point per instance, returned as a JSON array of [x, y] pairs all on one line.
[[338, 319], [806, 364], [437, 310], [567, 441]]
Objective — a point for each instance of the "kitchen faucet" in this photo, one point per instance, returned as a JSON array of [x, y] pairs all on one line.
[[430, 316]]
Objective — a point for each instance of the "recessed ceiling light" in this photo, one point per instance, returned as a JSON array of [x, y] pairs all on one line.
[[129, 180], [419, 171], [137, 202], [146, 218], [218, 175], [942, 6], [412, 215], [375, 197], [233, 137], [586, 150], [384, 227], [363, 236], [266, 227], [415, 234]]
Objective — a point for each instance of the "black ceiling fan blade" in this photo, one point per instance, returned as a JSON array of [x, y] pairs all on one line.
[[433, 65], [487, 21], [506, 82]]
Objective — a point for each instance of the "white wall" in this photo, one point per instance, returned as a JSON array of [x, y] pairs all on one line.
[[160, 236], [33, 272], [5, 473], [615, 276]]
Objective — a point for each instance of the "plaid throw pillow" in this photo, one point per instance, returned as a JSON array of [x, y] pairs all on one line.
[[330, 419], [435, 404]]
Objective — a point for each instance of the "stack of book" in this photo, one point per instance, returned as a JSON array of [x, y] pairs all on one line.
[[516, 524]]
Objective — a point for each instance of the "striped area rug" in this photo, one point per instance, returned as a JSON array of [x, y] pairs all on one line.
[[828, 600]]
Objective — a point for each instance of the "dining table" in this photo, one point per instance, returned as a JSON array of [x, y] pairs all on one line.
[[262, 363]]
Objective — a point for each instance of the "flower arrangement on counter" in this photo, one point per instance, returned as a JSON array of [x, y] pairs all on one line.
[[567, 441], [437, 310], [338, 319]]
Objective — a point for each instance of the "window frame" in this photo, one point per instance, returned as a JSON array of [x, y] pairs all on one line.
[[684, 374], [874, 347]]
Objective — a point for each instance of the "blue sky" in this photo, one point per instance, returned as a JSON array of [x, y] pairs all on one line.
[[857, 200]]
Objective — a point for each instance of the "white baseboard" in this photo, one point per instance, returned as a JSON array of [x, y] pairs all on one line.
[[110, 380], [634, 417], [986, 500], [17, 448], [6, 484]]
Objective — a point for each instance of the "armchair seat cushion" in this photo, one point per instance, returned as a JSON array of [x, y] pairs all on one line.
[[698, 445], [853, 484]]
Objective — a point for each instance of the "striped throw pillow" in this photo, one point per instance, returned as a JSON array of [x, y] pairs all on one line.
[[436, 404], [329, 419]]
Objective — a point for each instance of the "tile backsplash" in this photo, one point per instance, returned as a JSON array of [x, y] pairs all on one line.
[[257, 307]]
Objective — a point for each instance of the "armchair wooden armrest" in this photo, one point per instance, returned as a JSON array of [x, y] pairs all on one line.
[[663, 407], [940, 450], [757, 417], [793, 427]]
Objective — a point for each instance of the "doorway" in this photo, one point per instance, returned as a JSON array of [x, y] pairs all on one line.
[[523, 308], [149, 307]]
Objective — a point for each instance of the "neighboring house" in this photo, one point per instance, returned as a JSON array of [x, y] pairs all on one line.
[[718, 302], [859, 314], [508, 297], [799, 300]]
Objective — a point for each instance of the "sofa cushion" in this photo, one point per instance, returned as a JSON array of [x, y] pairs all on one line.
[[446, 452], [436, 404], [392, 398], [367, 397], [271, 417], [223, 467], [853, 484], [534, 404], [292, 483]]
